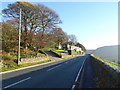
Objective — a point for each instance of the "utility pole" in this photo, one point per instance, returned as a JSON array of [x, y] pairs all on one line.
[[19, 36]]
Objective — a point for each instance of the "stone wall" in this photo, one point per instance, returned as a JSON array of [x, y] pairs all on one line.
[[38, 59], [32, 60]]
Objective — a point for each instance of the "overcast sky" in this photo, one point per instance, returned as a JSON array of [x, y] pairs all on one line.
[[95, 24]]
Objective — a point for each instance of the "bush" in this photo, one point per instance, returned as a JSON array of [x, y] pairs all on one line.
[[30, 54], [9, 64], [7, 57], [27, 53]]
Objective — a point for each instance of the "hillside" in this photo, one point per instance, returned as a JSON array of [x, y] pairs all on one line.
[[107, 52]]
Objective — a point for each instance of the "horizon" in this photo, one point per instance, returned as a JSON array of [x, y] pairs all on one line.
[[95, 24], [105, 46]]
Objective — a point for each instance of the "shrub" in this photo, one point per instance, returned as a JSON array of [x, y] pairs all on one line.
[[27, 53], [7, 57], [9, 63]]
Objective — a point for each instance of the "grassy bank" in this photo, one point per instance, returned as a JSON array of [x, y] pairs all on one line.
[[60, 52], [104, 78], [65, 52], [110, 63], [23, 65]]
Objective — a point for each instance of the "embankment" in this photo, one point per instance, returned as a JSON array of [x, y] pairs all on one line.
[[107, 77]]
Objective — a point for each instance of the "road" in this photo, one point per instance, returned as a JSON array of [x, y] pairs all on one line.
[[62, 75]]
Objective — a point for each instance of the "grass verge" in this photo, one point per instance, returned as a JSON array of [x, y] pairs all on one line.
[[23, 65], [110, 63], [60, 52]]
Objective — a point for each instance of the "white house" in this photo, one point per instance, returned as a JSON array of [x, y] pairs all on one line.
[[70, 47]]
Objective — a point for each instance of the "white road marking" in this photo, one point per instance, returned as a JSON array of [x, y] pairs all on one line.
[[78, 74], [66, 62], [53, 68], [17, 83]]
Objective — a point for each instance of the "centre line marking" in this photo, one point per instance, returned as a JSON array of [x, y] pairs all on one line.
[[78, 75], [17, 83], [53, 68], [66, 62]]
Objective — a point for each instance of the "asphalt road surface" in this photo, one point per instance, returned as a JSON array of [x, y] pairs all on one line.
[[62, 75]]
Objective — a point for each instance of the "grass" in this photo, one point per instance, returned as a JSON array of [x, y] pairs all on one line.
[[60, 52], [24, 65], [110, 63], [65, 53], [75, 52]]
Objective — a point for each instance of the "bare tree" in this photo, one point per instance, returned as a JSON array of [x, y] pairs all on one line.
[[28, 11], [35, 18], [72, 39], [60, 36], [49, 18]]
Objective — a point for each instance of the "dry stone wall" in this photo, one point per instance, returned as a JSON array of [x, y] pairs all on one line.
[[32, 60]]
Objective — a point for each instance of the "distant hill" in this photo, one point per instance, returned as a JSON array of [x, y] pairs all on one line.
[[108, 52], [89, 51]]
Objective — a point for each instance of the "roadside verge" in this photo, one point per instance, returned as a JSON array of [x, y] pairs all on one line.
[[107, 77], [20, 71]]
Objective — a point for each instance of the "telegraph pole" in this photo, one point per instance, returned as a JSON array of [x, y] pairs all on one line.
[[19, 36]]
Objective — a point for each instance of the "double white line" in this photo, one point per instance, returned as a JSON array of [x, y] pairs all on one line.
[[78, 74]]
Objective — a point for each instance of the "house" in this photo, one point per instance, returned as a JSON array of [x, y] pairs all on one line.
[[70, 47], [64, 46]]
